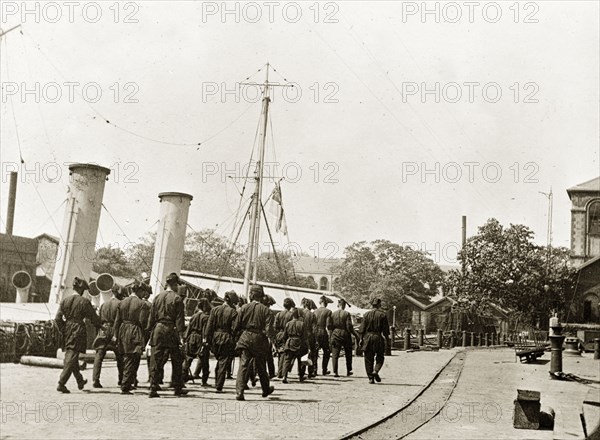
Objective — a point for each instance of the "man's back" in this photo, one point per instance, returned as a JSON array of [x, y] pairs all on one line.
[[322, 315]]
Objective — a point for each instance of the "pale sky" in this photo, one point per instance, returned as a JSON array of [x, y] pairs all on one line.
[[375, 160]]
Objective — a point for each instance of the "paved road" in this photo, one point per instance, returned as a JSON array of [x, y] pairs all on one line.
[[481, 405], [325, 407]]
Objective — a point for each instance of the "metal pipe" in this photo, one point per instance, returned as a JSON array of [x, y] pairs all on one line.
[[12, 197], [22, 282]]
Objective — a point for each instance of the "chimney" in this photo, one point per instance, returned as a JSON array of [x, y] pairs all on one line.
[[12, 197], [170, 238], [77, 247]]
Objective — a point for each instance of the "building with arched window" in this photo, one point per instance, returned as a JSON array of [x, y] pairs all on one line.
[[585, 248], [323, 271]]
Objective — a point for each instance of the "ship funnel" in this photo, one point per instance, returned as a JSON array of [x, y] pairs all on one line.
[[170, 238], [22, 282], [77, 246]]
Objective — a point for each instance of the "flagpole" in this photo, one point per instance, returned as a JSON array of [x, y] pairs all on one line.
[[253, 238]]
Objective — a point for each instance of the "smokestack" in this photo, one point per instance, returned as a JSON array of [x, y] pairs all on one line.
[[170, 239], [12, 197], [22, 282], [77, 248]]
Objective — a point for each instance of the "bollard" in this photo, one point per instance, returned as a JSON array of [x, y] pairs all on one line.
[[407, 338], [597, 348], [452, 338], [572, 347], [464, 338], [421, 337], [556, 346], [486, 340], [504, 338], [440, 338], [472, 339]]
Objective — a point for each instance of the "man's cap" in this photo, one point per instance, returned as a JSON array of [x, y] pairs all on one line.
[[309, 304], [232, 297], [78, 282], [375, 301], [268, 300], [257, 288], [288, 303], [204, 305], [173, 277], [325, 299], [343, 302]]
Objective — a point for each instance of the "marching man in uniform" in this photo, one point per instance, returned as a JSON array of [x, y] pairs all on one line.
[[323, 322], [253, 322], [69, 318], [130, 323], [219, 335], [374, 331], [106, 340], [341, 337], [167, 324]]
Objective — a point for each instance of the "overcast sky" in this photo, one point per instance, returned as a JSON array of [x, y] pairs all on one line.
[[517, 112]]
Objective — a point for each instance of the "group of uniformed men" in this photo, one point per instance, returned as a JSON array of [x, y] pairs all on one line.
[[248, 330]]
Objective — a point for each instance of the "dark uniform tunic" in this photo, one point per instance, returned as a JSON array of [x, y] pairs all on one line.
[[323, 322], [103, 341], [253, 322], [219, 334], [281, 319], [130, 321], [167, 322], [374, 331], [310, 321], [69, 319], [341, 337], [195, 339], [296, 345]]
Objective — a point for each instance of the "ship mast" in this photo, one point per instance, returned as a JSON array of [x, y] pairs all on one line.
[[251, 269]]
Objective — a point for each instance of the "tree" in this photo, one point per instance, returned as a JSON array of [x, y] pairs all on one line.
[[211, 253], [503, 266], [113, 261], [387, 270], [140, 254]]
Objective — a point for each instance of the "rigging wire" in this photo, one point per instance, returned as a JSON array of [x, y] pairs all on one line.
[[149, 267], [39, 107], [12, 104], [119, 127]]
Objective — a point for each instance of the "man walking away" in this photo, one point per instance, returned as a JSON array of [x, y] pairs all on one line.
[[375, 332], [323, 323], [253, 322], [69, 318], [130, 323], [219, 334], [106, 340], [341, 337], [167, 324], [296, 337], [195, 343]]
